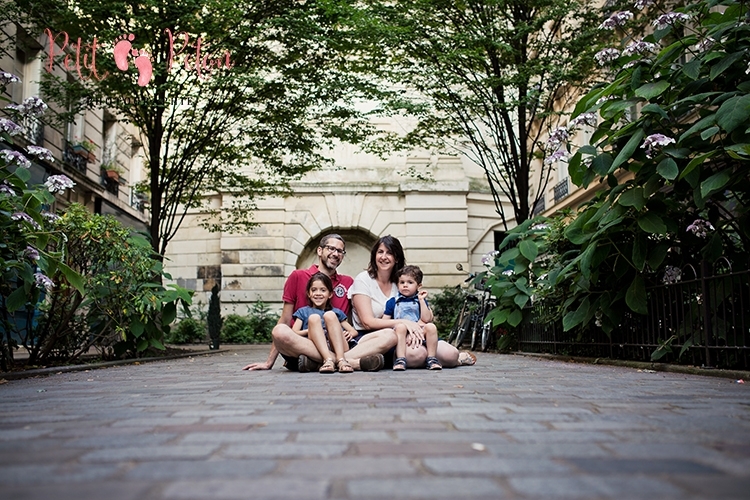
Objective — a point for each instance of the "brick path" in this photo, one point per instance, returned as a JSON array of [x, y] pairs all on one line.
[[510, 427]]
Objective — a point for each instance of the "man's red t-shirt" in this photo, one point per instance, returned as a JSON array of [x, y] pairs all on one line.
[[295, 289]]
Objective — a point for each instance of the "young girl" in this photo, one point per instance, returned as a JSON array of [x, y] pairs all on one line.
[[319, 320]]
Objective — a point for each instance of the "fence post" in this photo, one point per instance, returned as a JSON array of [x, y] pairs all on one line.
[[706, 309]]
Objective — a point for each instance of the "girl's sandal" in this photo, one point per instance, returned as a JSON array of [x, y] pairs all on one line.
[[432, 363], [399, 364], [327, 366], [344, 366]]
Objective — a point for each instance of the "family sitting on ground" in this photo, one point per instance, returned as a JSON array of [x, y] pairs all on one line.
[[388, 310]]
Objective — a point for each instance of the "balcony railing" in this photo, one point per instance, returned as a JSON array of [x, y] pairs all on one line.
[[539, 207], [561, 190], [75, 160], [33, 130]]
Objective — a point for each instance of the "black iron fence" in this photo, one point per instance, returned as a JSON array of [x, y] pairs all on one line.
[[703, 321]]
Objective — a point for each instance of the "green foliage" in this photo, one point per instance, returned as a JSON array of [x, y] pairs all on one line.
[[187, 331], [671, 152], [446, 305], [252, 329]]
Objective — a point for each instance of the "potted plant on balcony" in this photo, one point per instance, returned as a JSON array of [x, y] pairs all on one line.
[[84, 148], [112, 171]]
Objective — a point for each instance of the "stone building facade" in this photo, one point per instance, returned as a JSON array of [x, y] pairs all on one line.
[[438, 206]]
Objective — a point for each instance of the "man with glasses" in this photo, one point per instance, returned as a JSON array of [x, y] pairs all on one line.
[[299, 352]]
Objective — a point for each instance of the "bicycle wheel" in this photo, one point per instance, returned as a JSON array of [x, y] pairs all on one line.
[[486, 331], [476, 331], [456, 325], [465, 325]]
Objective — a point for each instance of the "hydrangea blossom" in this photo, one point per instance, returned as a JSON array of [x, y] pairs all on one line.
[[700, 228], [639, 47], [43, 281], [508, 272], [41, 153], [666, 20], [6, 189], [14, 157], [605, 98], [636, 62], [6, 78], [654, 142], [23, 216], [488, 259], [32, 106], [9, 127], [539, 227], [59, 183], [31, 252], [606, 56], [559, 155], [589, 119], [642, 4], [704, 45], [557, 137], [671, 275], [616, 19], [50, 217]]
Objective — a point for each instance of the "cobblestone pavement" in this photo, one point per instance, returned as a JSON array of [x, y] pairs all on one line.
[[509, 427]]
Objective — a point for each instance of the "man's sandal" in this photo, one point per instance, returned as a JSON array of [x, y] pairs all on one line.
[[432, 363], [327, 366], [399, 364], [344, 366], [306, 365]]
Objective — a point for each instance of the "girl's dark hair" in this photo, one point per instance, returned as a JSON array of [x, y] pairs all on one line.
[[328, 284], [393, 246]]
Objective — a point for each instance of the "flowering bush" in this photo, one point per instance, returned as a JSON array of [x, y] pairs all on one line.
[[32, 249], [672, 150]]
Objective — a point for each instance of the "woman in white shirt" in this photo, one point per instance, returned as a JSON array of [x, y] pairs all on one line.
[[372, 289]]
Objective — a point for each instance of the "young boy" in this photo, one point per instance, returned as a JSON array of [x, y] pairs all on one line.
[[411, 304]]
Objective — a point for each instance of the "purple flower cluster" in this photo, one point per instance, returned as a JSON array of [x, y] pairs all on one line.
[[559, 155], [654, 142], [59, 183], [43, 281], [700, 228], [23, 216], [639, 47], [616, 19], [488, 259], [557, 138], [41, 153], [31, 252], [50, 217], [670, 18], [589, 119], [606, 56], [671, 275], [9, 127], [5, 188], [6, 78], [704, 45], [14, 157], [642, 4], [32, 106]]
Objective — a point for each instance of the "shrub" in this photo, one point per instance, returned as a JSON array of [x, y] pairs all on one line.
[[187, 331], [445, 307], [253, 329]]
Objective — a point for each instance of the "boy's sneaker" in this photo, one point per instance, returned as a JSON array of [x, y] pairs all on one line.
[[305, 364]]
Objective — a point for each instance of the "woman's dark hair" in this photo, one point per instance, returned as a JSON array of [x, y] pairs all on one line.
[[393, 246], [326, 282]]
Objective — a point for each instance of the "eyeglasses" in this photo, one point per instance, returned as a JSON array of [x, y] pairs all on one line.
[[334, 250]]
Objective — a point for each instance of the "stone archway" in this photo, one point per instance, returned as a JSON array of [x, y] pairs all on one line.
[[358, 245]]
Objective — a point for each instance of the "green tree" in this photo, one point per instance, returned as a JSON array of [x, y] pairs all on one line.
[[485, 78], [241, 131]]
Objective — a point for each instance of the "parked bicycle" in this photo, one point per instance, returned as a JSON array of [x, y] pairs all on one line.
[[471, 318]]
